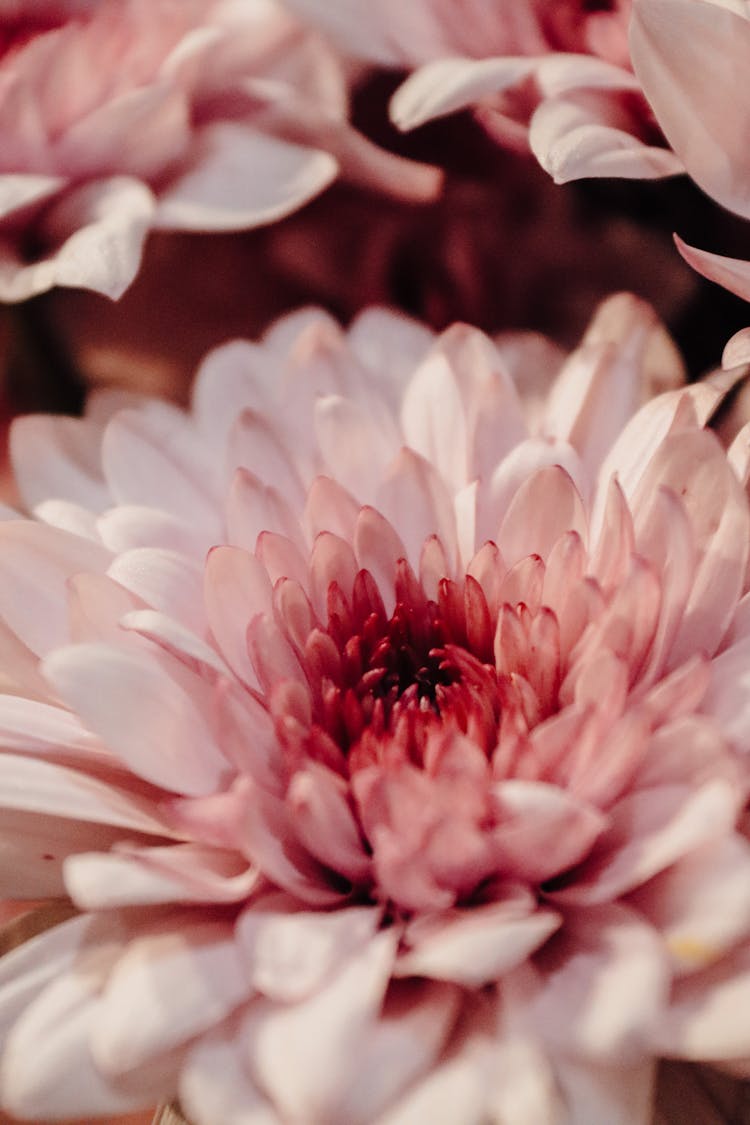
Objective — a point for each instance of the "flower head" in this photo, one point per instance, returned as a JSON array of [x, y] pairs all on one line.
[[121, 116], [386, 719]]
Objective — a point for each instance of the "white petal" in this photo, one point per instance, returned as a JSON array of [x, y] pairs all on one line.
[[98, 229], [474, 947], [180, 981], [290, 953], [447, 85], [303, 1054]]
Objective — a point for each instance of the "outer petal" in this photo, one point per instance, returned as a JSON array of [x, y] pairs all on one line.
[[571, 141], [604, 984], [181, 980], [732, 273], [100, 229], [447, 85], [242, 178], [690, 57], [143, 714]]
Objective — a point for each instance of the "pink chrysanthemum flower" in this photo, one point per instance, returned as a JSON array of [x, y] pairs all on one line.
[[386, 718], [552, 75], [124, 115]]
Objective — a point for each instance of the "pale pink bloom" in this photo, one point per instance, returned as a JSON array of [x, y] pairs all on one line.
[[552, 75], [386, 717], [125, 115]]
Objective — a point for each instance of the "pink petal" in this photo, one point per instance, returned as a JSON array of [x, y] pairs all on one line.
[[604, 986], [330, 507], [150, 457], [242, 178], [732, 273], [447, 85], [572, 138], [57, 457], [215, 1084], [545, 507], [355, 447], [144, 715], [414, 497], [688, 903], [236, 589], [290, 953], [166, 581], [19, 189], [737, 349], [35, 565], [649, 831], [182, 978], [689, 59], [707, 1016], [325, 823], [474, 947], [541, 830], [48, 1070], [35, 786], [129, 526], [253, 507]]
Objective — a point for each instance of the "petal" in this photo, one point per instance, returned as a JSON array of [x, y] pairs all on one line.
[[237, 588], [166, 581], [545, 507], [35, 565], [58, 457], [290, 953], [242, 178], [689, 903], [147, 718], [541, 830], [181, 980], [649, 831], [689, 58], [707, 1017], [215, 1084], [416, 501], [732, 273], [474, 947], [604, 986], [447, 85], [96, 231], [571, 141], [134, 876], [150, 457]]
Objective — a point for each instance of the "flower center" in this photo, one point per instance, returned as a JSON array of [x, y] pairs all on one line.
[[395, 680]]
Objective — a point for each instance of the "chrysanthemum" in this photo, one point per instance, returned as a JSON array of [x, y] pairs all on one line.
[[386, 719], [124, 115]]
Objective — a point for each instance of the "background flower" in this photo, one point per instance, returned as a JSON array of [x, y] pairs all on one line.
[[118, 117], [385, 718]]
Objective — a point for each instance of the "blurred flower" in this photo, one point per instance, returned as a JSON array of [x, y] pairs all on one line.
[[125, 115], [386, 717], [555, 76]]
